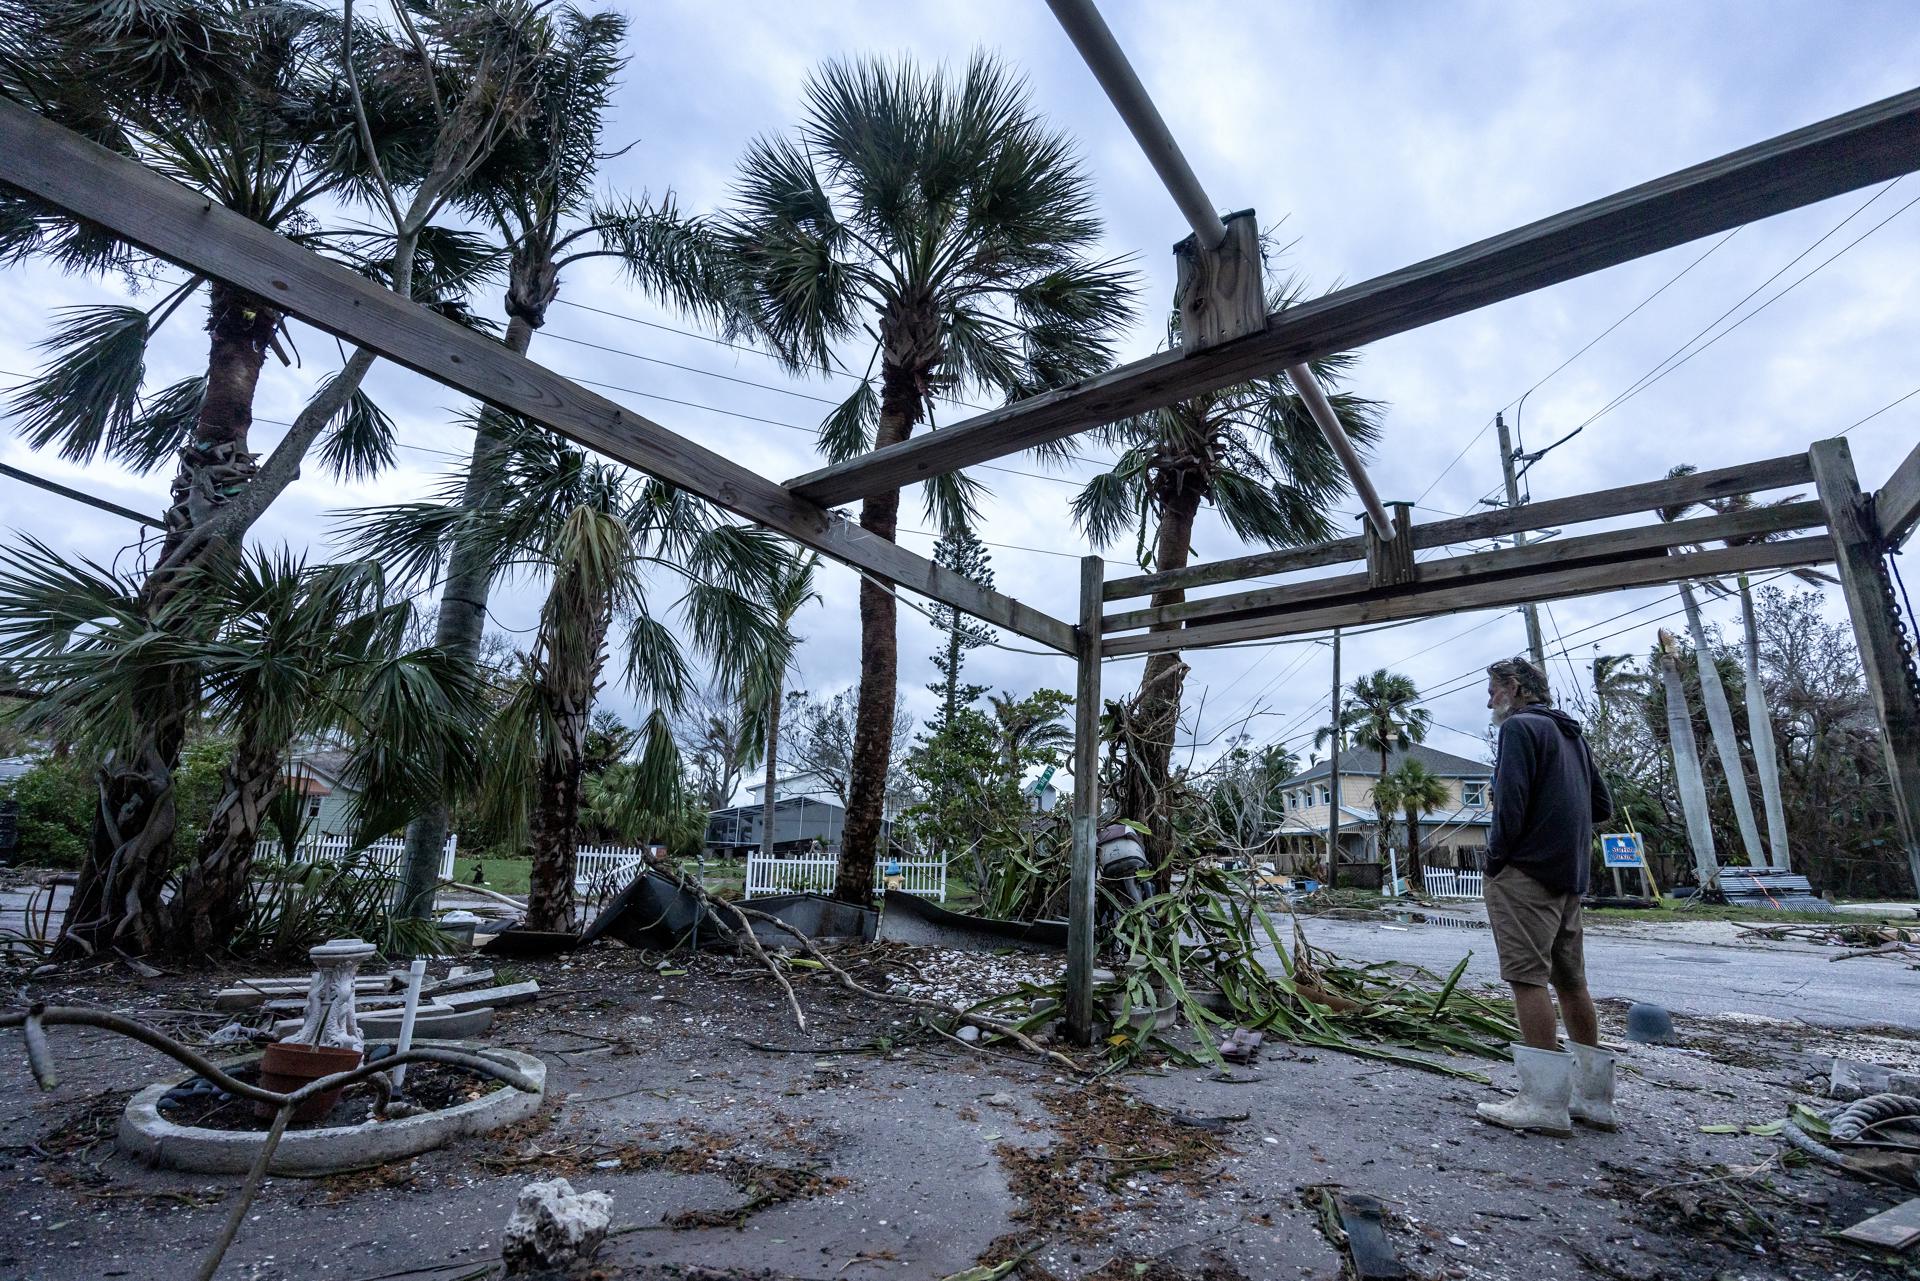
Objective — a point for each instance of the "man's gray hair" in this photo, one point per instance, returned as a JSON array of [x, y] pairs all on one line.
[[1529, 682]]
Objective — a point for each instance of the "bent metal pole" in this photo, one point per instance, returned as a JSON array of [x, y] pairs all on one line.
[[1102, 53]]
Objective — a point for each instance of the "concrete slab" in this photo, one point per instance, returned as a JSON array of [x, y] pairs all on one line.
[[499, 998]]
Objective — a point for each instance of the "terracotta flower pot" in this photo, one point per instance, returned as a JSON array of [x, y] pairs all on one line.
[[287, 1066]]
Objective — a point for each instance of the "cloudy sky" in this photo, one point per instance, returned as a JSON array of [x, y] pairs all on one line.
[[1381, 134]]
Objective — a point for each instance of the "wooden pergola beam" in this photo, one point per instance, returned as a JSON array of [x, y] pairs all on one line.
[[1835, 156], [1453, 596], [1897, 503], [1639, 542], [159, 215], [1622, 500]]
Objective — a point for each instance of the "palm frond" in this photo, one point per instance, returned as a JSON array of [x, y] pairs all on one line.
[[88, 392], [848, 431], [359, 443]]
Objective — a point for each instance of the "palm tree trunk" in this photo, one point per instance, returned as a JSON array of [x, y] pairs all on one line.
[[1156, 704], [458, 629], [1766, 762], [773, 765], [1726, 744], [117, 900], [1691, 784], [570, 672], [900, 404], [1416, 879], [211, 903]]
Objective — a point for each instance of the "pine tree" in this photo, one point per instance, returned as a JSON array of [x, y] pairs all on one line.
[[961, 551]]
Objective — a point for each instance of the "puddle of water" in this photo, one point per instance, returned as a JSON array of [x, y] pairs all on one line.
[[1412, 917]]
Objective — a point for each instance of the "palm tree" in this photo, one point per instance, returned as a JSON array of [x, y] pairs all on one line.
[[537, 192], [939, 215], [790, 591], [1688, 778], [260, 106], [1382, 712], [282, 652], [1253, 453], [1031, 729], [1412, 789], [599, 539]]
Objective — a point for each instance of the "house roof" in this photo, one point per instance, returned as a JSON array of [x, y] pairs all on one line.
[[1364, 816], [1357, 761]]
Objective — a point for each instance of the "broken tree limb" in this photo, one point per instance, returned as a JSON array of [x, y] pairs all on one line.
[[760, 953], [985, 1023], [483, 892]]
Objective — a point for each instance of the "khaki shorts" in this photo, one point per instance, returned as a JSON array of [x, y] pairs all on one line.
[[1536, 931]]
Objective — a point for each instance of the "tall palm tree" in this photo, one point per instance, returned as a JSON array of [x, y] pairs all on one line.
[[1382, 713], [941, 216], [790, 591], [603, 543], [1252, 452], [537, 192], [283, 652], [261, 106], [1412, 790]]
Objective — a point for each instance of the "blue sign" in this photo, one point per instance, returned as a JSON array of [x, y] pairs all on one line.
[[1622, 850]]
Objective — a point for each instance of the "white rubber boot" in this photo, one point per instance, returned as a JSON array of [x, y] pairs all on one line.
[[1592, 1102], [1546, 1088]]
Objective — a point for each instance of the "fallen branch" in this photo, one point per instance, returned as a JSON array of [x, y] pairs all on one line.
[[483, 892], [760, 953]]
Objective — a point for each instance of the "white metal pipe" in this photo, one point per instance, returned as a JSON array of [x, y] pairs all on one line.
[[416, 971], [1102, 53], [1309, 389]]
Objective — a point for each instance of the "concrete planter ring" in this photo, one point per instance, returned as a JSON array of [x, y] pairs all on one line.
[[150, 1137]]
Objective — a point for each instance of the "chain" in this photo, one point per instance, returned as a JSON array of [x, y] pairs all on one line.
[[1896, 590]]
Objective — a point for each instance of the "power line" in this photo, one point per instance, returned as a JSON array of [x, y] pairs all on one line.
[[55, 487], [1883, 409]]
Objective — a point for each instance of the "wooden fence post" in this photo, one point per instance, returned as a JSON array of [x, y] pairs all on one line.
[[1885, 651], [1086, 807]]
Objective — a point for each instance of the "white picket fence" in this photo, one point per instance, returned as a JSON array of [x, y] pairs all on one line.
[[594, 865], [609, 865], [389, 852], [816, 874], [1454, 882]]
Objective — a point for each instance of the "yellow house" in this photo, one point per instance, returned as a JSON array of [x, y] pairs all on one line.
[[1453, 835]]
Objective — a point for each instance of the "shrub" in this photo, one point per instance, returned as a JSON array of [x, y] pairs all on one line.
[[56, 799]]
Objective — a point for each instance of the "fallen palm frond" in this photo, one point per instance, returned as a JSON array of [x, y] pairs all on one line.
[[1210, 949]]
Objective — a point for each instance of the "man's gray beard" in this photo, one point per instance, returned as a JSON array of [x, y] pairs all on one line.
[[1499, 715]]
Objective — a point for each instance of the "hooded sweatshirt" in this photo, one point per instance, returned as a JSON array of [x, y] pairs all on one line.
[[1546, 798]]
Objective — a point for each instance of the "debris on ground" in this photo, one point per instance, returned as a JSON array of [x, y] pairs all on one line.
[[1367, 1245], [965, 978], [553, 1227], [1894, 1229], [1242, 1045]]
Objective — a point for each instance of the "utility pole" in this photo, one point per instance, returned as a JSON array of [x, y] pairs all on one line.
[[1333, 774], [1536, 648]]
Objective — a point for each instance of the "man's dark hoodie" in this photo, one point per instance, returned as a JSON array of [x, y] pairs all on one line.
[[1546, 798]]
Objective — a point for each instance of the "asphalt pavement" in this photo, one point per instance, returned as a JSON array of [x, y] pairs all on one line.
[[1716, 976]]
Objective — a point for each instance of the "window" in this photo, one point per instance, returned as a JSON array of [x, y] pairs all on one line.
[[1474, 795], [1325, 796], [313, 807]]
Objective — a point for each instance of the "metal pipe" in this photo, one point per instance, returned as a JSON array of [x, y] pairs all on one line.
[[1102, 53], [1309, 390]]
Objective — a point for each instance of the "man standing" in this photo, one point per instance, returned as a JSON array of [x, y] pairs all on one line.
[[1547, 796]]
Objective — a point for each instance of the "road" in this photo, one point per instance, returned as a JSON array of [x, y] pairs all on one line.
[[1716, 976]]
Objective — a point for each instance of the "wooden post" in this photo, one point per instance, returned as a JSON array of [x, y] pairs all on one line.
[[1219, 292], [1390, 560], [1086, 807], [1860, 556]]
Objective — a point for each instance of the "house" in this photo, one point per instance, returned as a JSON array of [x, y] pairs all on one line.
[[318, 776], [1454, 835]]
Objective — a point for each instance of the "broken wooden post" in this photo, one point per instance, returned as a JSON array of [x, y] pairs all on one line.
[[1086, 806], [1886, 649], [1218, 291]]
